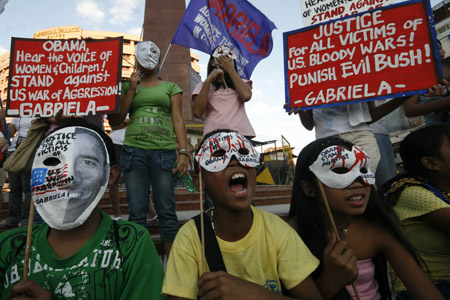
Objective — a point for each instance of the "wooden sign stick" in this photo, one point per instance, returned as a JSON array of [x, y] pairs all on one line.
[[202, 224], [26, 261]]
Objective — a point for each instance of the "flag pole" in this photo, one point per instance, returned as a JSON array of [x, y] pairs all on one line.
[[164, 58]]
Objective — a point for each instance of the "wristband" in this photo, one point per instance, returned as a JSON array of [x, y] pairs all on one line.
[[184, 153]]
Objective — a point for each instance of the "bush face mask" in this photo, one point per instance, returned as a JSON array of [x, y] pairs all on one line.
[[69, 176], [216, 152], [147, 54], [336, 167]]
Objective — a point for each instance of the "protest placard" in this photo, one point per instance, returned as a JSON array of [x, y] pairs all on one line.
[[79, 77], [320, 11], [386, 52]]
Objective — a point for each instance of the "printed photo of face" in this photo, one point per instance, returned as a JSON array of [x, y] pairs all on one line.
[[90, 172]]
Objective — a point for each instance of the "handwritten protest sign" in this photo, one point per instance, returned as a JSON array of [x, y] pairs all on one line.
[[79, 77], [384, 52], [320, 11]]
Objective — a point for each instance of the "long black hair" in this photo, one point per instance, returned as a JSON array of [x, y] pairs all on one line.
[[424, 142], [310, 220], [226, 76]]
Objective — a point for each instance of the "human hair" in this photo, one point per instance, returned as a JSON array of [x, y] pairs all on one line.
[[424, 142], [106, 139], [311, 224], [446, 62], [226, 76]]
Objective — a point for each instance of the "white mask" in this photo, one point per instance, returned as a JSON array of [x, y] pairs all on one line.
[[216, 152], [147, 54], [336, 167], [223, 50], [69, 176]]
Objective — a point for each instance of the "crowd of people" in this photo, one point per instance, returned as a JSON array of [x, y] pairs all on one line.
[[358, 226]]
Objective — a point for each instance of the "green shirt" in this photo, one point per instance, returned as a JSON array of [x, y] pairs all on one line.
[[150, 126], [99, 270]]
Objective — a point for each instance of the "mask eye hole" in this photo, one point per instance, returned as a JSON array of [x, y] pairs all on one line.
[[340, 170], [363, 170], [243, 151], [52, 161], [219, 153]]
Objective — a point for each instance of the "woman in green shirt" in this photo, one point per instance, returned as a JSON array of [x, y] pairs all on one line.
[[149, 155]]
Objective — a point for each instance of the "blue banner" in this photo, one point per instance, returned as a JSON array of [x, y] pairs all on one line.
[[207, 24]]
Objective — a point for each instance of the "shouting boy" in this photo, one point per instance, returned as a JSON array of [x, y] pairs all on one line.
[[262, 255]]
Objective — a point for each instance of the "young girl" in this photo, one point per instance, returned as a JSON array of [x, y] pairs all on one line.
[[368, 234], [421, 201], [148, 155], [221, 98]]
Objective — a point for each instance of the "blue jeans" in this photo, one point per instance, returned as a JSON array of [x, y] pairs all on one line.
[[141, 169], [19, 186], [386, 167]]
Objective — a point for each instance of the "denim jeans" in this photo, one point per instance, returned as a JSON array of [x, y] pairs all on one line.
[[142, 169], [19, 207]]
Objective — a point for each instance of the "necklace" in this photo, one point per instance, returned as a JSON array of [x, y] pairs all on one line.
[[211, 211], [344, 230]]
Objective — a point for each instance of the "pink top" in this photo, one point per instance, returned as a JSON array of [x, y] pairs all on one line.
[[365, 283], [225, 111]]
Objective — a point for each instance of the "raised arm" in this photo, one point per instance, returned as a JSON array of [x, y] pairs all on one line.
[[378, 112], [413, 108], [125, 101], [242, 88]]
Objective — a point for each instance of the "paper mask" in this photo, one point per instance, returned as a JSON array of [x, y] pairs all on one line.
[[147, 54], [69, 176], [336, 167], [216, 152]]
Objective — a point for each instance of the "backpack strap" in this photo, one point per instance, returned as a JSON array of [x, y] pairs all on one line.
[[212, 249]]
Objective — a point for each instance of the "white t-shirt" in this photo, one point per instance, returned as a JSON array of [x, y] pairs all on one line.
[[334, 120], [22, 126]]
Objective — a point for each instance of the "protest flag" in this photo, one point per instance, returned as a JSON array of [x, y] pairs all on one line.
[[2, 5], [207, 24]]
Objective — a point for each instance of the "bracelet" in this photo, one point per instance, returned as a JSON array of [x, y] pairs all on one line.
[[184, 153], [203, 93]]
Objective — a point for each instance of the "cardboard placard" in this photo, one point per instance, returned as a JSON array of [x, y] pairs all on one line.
[[383, 53], [79, 77]]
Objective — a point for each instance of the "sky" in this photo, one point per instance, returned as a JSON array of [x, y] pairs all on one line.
[[21, 18]]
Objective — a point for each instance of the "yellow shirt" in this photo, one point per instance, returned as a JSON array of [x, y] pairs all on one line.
[[270, 252], [431, 244]]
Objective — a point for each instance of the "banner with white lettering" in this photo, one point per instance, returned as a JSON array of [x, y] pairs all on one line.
[[79, 77], [321, 11], [207, 24], [383, 53]]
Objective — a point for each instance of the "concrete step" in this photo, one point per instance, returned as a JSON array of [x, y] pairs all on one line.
[[275, 199]]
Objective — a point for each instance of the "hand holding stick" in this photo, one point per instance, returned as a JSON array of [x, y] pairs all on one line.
[[28, 242], [333, 224]]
